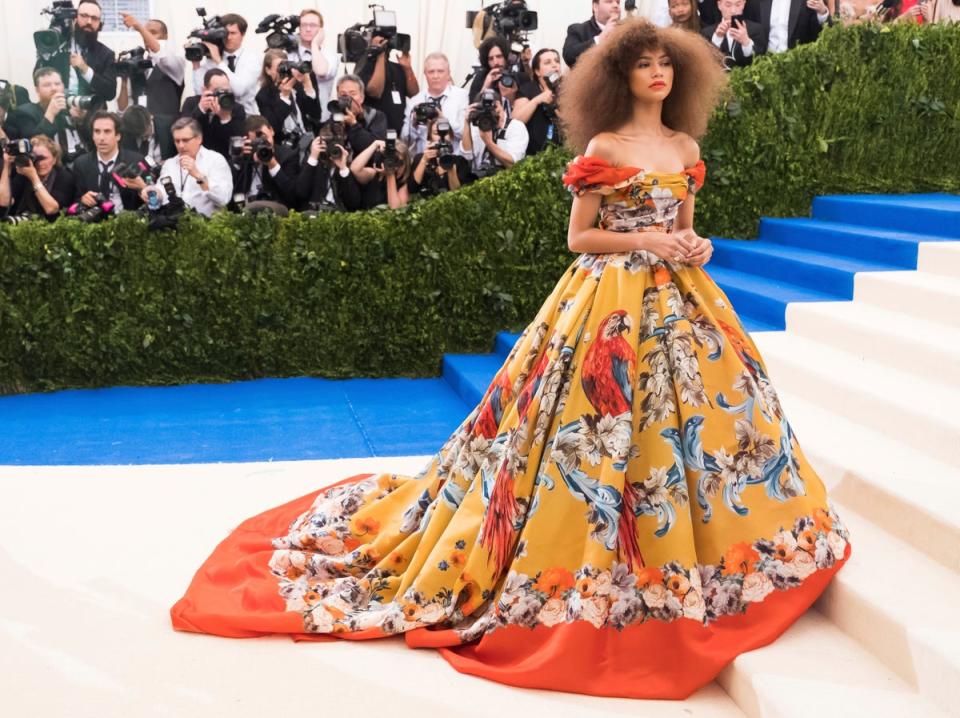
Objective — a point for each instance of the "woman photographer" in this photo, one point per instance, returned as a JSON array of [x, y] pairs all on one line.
[[41, 186], [287, 100], [433, 173], [383, 179], [325, 181], [539, 114]]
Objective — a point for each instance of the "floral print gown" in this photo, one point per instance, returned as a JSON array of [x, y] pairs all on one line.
[[625, 512]]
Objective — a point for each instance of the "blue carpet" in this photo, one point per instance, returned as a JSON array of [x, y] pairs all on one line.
[[269, 419]]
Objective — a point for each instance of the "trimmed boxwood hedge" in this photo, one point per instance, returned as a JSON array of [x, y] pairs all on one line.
[[387, 293]]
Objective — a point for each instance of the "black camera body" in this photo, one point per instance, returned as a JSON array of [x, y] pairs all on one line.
[[212, 31], [57, 38], [145, 168], [285, 68], [133, 62], [280, 31], [226, 98], [444, 145], [21, 151], [333, 132], [261, 148], [81, 102], [485, 117], [426, 111], [102, 209], [342, 104], [355, 43], [510, 19]]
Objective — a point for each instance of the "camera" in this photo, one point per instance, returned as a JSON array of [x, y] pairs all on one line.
[[444, 145], [281, 31], [81, 102], [341, 104], [8, 95], [262, 149], [485, 117], [237, 145], [552, 81], [426, 112], [100, 210], [133, 62], [212, 31], [333, 133], [19, 218], [285, 68], [391, 157], [57, 38], [354, 44], [510, 19], [145, 168], [226, 98], [21, 151]]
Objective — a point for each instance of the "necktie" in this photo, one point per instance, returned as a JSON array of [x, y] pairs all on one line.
[[105, 178], [232, 62]]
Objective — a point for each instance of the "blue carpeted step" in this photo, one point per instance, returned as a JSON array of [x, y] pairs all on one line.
[[820, 271], [761, 298], [504, 343], [936, 214], [471, 374], [755, 325], [849, 240]]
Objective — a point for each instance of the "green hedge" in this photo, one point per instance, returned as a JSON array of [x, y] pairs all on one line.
[[386, 293]]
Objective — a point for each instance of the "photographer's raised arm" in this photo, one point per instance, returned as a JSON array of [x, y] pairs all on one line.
[[378, 78], [6, 197], [359, 167]]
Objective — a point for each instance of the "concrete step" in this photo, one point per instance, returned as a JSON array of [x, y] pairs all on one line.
[[763, 298], [895, 338], [890, 246], [902, 608], [936, 214], [919, 411], [820, 270], [815, 669], [914, 497], [940, 258], [923, 294]]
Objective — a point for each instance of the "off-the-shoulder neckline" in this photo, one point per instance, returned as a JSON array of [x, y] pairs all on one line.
[[635, 170]]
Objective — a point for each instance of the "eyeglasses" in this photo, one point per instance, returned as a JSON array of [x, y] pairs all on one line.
[[87, 16], [184, 140]]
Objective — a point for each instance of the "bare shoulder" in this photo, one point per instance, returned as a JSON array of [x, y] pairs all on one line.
[[603, 146], [687, 147]]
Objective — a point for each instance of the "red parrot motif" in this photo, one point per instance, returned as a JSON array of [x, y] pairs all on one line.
[[627, 529], [608, 367], [497, 533], [742, 350], [531, 387], [491, 413]]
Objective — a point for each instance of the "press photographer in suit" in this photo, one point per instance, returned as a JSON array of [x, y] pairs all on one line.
[[93, 173], [584, 35]]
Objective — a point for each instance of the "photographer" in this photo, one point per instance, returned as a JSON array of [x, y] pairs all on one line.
[[389, 84], [382, 171], [363, 123], [489, 141], [287, 96], [448, 102], [539, 114], [86, 66], [501, 71], [160, 87], [438, 169], [264, 170], [35, 183], [584, 35], [201, 177], [217, 111], [739, 39], [325, 182], [138, 134], [51, 115], [326, 62], [94, 173], [241, 67]]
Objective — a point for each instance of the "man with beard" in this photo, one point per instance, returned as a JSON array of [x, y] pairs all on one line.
[[50, 116], [87, 67]]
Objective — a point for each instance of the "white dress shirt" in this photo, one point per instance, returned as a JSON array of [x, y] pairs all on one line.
[[454, 107], [214, 167], [324, 85], [244, 80], [111, 163], [747, 50], [779, 21], [514, 139]]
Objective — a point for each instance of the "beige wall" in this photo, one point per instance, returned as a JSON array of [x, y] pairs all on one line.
[[433, 25]]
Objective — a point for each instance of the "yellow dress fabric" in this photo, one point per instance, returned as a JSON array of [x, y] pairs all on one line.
[[629, 486]]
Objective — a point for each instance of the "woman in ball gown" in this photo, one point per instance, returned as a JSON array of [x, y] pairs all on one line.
[[627, 509]]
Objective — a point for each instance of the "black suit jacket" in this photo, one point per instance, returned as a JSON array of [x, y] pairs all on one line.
[[802, 25], [579, 39], [709, 12], [29, 120], [276, 110], [216, 135], [757, 34], [100, 58], [86, 175], [282, 188]]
